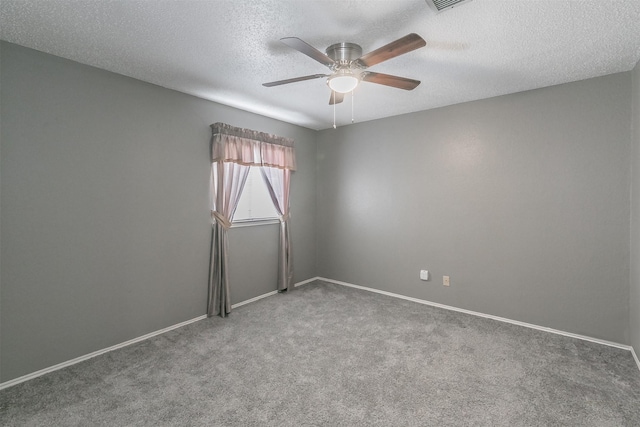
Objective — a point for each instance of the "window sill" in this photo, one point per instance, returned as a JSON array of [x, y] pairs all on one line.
[[254, 222]]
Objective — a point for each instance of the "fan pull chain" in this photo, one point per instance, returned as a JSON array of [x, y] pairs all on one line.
[[352, 102], [333, 94]]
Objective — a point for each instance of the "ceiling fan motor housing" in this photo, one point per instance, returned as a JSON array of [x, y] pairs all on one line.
[[344, 53]]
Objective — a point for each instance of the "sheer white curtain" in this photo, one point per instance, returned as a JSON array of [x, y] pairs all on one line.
[[227, 182], [278, 182], [233, 151]]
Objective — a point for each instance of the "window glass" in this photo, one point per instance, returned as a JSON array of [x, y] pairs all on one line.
[[255, 203]]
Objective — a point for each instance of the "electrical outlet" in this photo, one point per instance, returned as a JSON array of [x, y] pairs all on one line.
[[445, 280], [424, 274]]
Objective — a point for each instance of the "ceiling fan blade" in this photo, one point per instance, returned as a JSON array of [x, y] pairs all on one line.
[[399, 47], [389, 80], [308, 50], [295, 79], [336, 97]]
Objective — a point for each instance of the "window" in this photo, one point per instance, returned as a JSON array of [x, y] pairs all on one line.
[[255, 203]]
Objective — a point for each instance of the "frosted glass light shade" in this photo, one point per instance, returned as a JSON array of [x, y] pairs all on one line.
[[343, 83]]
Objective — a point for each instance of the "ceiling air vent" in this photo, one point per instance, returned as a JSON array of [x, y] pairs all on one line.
[[442, 5]]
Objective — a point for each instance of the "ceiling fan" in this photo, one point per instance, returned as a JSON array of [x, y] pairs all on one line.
[[349, 67]]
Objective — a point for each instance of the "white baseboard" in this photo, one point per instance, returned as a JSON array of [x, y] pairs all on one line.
[[44, 371], [268, 294], [240, 304], [635, 356], [41, 372], [488, 316], [304, 282]]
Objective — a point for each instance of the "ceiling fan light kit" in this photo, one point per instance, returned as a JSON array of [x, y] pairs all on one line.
[[348, 65], [343, 82]]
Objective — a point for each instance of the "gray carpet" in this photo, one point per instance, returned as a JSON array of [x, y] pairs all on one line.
[[327, 355]]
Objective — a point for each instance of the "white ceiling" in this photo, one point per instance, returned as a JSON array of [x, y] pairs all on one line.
[[223, 50]]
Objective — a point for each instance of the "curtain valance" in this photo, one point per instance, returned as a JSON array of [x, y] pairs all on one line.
[[250, 147]]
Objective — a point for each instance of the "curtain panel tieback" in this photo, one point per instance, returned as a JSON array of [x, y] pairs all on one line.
[[285, 217], [220, 219]]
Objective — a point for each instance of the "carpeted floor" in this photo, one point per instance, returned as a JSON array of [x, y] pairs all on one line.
[[327, 355]]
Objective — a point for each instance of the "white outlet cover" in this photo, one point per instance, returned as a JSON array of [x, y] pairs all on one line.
[[424, 274]]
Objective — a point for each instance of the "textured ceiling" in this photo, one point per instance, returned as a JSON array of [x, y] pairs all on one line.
[[224, 50]]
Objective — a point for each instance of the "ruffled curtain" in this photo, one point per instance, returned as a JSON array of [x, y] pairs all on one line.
[[251, 148], [233, 151]]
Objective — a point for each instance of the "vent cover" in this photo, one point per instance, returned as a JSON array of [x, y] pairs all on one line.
[[441, 5]]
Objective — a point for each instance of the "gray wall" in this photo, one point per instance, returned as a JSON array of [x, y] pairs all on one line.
[[0, 214], [634, 297], [522, 199], [105, 224]]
